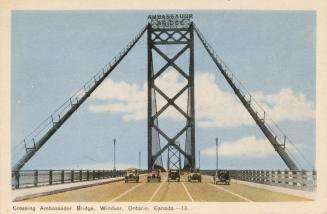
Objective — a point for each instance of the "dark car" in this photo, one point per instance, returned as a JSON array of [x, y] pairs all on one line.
[[221, 176], [174, 174], [154, 175], [195, 175], [132, 174]]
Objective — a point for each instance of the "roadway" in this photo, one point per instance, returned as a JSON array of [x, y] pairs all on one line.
[[169, 191]]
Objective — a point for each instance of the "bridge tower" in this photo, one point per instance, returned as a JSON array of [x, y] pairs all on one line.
[[162, 32]]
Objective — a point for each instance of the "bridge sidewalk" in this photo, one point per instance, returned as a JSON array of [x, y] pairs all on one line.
[[299, 193], [27, 193]]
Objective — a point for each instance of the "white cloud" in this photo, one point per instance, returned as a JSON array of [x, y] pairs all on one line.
[[286, 105], [213, 106], [127, 99], [248, 146]]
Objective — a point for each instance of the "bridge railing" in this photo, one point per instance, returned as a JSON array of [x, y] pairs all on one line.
[[35, 178], [300, 180]]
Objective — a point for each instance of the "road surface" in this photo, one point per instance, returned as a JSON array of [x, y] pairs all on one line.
[[169, 191]]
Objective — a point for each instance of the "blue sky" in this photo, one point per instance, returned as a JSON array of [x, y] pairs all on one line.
[[56, 52]]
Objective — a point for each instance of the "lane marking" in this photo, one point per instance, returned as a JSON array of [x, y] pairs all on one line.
[[187, 192], [230, 192], [126, 192], [155, 193], [157, 190]]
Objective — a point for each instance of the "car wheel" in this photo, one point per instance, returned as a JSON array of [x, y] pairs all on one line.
[[125, 181]]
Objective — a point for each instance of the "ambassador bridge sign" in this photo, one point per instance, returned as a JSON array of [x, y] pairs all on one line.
[[170, 20]]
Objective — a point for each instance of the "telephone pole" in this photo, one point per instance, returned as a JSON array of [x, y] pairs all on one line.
[[139, 160], [114, 153], [216, 153], [199, 160]]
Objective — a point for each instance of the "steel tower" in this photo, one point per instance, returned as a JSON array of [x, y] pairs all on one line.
[[160, 35]]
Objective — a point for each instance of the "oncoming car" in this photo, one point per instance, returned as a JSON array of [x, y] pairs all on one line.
[[132, 174], [174, 174], [195, 175], [221, 176]]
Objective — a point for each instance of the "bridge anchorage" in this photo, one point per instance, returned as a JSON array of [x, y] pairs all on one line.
[[163, 32]]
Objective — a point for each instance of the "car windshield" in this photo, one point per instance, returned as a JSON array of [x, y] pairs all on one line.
[[196, 170], [132, 171], [223, 172]]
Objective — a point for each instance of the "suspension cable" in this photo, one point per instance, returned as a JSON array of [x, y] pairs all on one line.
[[39, 136], [254, 103]]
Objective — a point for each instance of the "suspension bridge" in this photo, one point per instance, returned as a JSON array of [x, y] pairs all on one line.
[[164, 31]]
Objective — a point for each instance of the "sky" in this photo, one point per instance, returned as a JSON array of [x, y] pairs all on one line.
[[55, 52]]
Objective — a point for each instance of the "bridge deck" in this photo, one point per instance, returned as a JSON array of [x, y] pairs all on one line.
[[169, 191]]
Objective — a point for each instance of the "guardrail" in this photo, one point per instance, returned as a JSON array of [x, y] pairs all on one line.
[[300, 180], [35, 178]]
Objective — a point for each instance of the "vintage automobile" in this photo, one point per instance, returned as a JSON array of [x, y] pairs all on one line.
[[221, 176], [154, 175], [195, 175], [132, 174], [174, 174]]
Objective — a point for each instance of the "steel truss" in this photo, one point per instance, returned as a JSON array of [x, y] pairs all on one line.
[[174, 158], [157, 38]]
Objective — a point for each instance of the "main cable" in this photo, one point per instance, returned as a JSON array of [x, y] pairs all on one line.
[[39, 136]]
